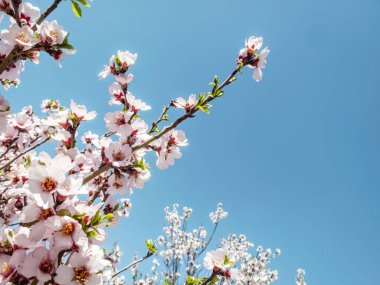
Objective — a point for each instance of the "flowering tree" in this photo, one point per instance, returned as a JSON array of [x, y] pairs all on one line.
[[55, 209]]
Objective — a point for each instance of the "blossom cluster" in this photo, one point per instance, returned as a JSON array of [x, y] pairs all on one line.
[[27, 35], [181, 251]]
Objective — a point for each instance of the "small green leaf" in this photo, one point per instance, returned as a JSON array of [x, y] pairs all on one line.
[[117, 59], [193, 280], [165, 117], [108, 217], [151, 246], [214, 280], [76, 9], [84, 3], [28, 161], [64, 212]]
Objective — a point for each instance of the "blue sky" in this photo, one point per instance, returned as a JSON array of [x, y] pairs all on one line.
[[294, 159]]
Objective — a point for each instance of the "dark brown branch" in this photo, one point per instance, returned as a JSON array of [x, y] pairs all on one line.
[[16, 4], [45, 14]]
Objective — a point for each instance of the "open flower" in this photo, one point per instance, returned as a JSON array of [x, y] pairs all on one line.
[[256, 61], [215, 259], [46, 178], [52, 33], [119, 122], [28, 14], [126, 59], [41, 263], [186, 104], [22, 37], [118, 154], [79, 112], [10, 264], [80, 270]]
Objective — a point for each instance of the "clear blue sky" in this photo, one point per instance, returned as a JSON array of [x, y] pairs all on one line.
[[295, 159]]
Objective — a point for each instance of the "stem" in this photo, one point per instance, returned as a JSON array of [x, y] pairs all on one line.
[[161, 118], [191, 112], [45, 14], [96, 173], [188, 115], [149, 254], [212, 276], [24, 152], [15, 8], [209, 240]]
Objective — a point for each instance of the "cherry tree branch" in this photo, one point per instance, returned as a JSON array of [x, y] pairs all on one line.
[[16, 51], [15, 4], [211, 96], [45, 14], [192, 111]]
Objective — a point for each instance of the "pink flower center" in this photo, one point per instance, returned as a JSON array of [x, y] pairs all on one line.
[[7, 270], [49, 184], [46, 266], [67, 229], [118, 156], [119, 119], [81, 275]]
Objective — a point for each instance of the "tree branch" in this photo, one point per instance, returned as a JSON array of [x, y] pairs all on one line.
[[149, 254], [186, 116], [23, 153], [15, 4], [15, 53], [45, 14]]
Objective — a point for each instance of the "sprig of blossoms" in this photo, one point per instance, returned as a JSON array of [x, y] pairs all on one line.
[[28, 34]]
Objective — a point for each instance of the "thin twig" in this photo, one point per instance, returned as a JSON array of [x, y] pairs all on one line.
[[24, 152], [209, 240], [161, 118], [149, 254], [45, 14], [188, 115]]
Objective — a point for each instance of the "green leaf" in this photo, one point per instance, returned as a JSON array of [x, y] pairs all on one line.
[[108, 217], [214, 280], [117, 59], [92, 234], [76, 9], [155, 129], [95, 219], [64, 212], [165, 117], [65, 46], [151, 246], [205, 108], [193, 280], [28, 161], [84, 3], [227, 260]]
